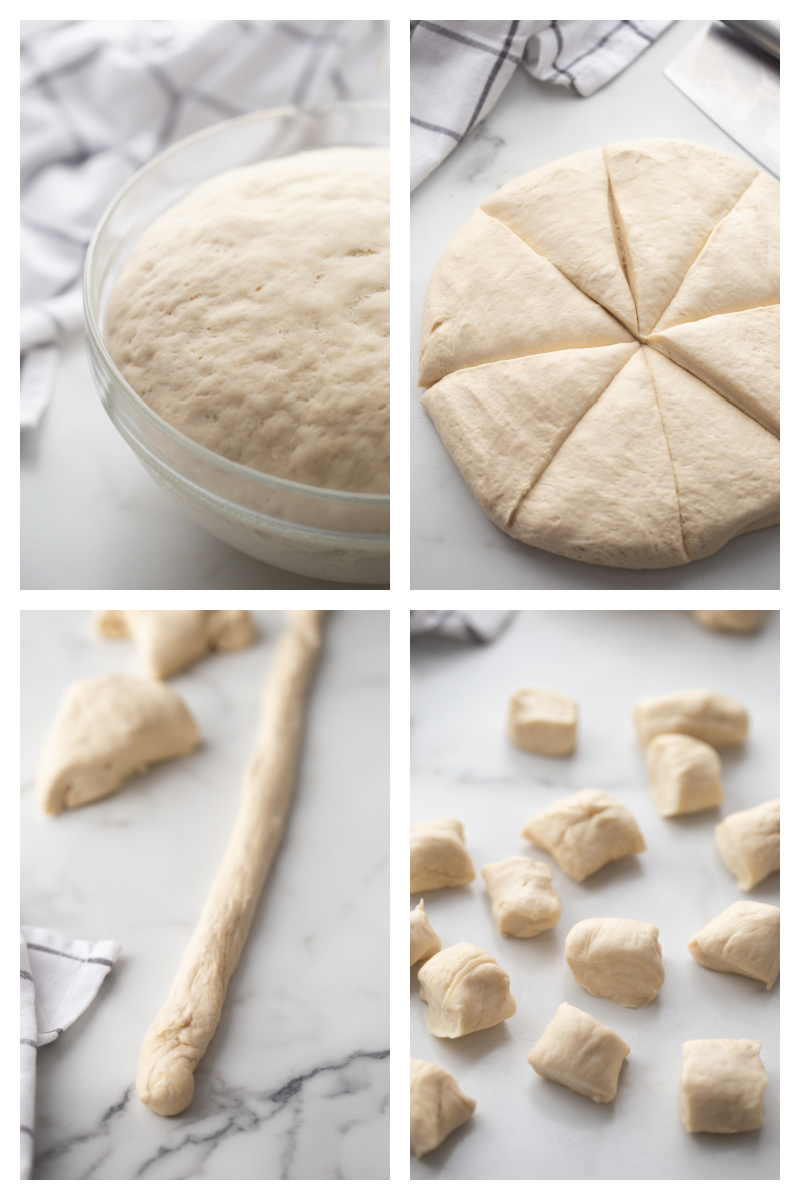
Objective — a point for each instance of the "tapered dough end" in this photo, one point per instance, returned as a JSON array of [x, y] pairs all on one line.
[[165, 1088]]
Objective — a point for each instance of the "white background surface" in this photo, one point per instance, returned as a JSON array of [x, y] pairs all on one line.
[[295, 1083], [454, 545], [463, 766]]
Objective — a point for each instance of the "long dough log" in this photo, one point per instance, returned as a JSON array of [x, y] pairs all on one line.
[[180, 1034]]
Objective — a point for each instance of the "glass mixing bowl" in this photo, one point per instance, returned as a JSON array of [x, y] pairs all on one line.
[[342, 536]]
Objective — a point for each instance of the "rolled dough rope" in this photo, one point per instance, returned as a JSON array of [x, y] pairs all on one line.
[[180, 1034]]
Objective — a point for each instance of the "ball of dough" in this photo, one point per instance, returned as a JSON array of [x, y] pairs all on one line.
[[600, 347], [698, 712], [253, 316], [580, 1053], [438, 856], [584, 832], [749, 843], [543, 721], [722, 1086], [524, 901], [465, 990], [425, 942], [684, 774], [438, 1106], [617, 959], [737, 620], [745, 939]]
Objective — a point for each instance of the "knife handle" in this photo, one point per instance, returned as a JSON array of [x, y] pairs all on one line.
[[764, 34]]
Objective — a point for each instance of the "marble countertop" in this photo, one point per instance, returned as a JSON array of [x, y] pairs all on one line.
[[295, 1084], [463, 766], [454, 545]]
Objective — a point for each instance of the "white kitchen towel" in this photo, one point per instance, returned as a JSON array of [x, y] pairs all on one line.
[[475, 625], [59, 978], [459, 70], [100, 98]]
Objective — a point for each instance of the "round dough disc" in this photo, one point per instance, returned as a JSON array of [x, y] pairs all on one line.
[[600, 348]]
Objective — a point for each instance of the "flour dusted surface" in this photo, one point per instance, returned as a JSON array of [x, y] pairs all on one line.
[[254, 317]]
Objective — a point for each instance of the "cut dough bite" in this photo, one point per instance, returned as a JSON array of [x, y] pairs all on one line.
[[699, 712], [730, 620], [503, 422], [438, 856], [524, 901], [438, 1106], [493, 297], [608, 496], [728, 480], [561, 210], [737, 354], [580, 1053], [465, 990], [749, 843], [585, 831], [668, 198], [109, 728], [684, 774], [170, 640], [739, 266], [543, 721], [722, 1086], [424, 940], [616, 959], [742, 940]]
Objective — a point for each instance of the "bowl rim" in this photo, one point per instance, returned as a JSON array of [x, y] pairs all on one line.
[[94, 333]]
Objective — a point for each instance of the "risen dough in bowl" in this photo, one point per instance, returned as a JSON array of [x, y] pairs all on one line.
[[600, 347], [253, 316]]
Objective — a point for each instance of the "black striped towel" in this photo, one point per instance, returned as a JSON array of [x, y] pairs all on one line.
[[459, 69], [59, 978]]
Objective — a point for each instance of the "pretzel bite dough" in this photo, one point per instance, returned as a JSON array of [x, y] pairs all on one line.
[[722, 1086], [543, 721], [438, 857], [170, 640], [108, 728], [684, 774], [585, 831], [743, 940], [524, 901], [582, 1054], [424, 941], [749, 843], [438, 1106], [737, 620], [465, 990], [697, 712], [617, 959]]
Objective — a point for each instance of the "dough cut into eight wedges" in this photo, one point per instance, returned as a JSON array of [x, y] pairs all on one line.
[[600, 348]]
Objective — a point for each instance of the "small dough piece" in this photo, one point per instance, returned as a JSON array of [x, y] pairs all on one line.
[[170, 640], [465, 990], [543, 721], [582, 1054], [616, 959], [749, 843], [585, 831], [108, 728], [722, 1086], [424, 941], [438, 857], [737, 620], [697, 712], [438, 1106], [745, 939], [684, 774], [524, 901]]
